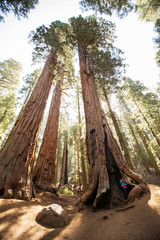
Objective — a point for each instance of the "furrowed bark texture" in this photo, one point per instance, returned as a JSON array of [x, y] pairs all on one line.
[[105, 158], [84, 178], [18, 154], [44, 172]]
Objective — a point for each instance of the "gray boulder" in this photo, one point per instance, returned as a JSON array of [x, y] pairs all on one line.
[[53, 216]]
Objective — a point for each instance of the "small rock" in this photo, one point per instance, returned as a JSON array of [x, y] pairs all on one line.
[[105, 217], [53, 216], [136, 192]]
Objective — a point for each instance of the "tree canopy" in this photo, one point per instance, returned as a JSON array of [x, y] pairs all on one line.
[[108, 7], [20, 8], [9, 80]]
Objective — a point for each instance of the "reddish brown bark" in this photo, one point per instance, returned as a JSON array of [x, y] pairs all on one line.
[[106, 161], [84, 178], [18, 154], [64, 177], [44, 172]]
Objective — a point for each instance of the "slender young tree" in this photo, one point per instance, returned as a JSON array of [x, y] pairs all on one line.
[[106, 161], [146, 109], [127, 115], [64, 168], [18, 154], [150, 154], [119, 134]]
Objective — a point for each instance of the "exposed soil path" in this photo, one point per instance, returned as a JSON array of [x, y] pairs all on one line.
[[140, 222]]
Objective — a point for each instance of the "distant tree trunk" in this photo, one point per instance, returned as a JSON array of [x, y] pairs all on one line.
[[129, 120], [84, 178], [66, 167], [152, 146], [119, 134], [78, 162], [106, 161], [56, 179], [18, 154], [154, 163], [75, 169], [149, 126], [64, 177], [44, 172], [140, 151]]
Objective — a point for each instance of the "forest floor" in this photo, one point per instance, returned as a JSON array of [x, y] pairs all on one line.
[[140, 222]]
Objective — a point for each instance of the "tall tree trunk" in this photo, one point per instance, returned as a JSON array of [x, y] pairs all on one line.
[[57, 167], [140, 151], [18, 154], [44, 172], [119, 134], [64, 178], [78, 162], [129, 120], [75, 168], [154, 163], [66, 167], [106, 161], [84, 178], [148, 124], [152, 146]]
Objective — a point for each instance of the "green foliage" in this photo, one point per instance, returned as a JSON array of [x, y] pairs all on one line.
[[148, 10], [146, 101], [9, 75], [91, 32], [29, 83], [108, 6], [8, 105], [20, 8], [108, 68], [9, 79], [53, 37], [66, 191]]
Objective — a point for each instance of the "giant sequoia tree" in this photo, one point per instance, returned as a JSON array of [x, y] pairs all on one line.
[[18, 154], [106, 161]]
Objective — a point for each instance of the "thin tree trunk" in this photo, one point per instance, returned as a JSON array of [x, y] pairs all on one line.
[[119, 134], [148, 124], [66, 167], [79, 173], [154, 163], [140, 151], [75, 169], [44, 172], [153, 147], [106, 160], [18, 154], [58, 153], [63, 169]]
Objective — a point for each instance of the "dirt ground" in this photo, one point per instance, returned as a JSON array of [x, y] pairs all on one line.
[[140, 222]]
